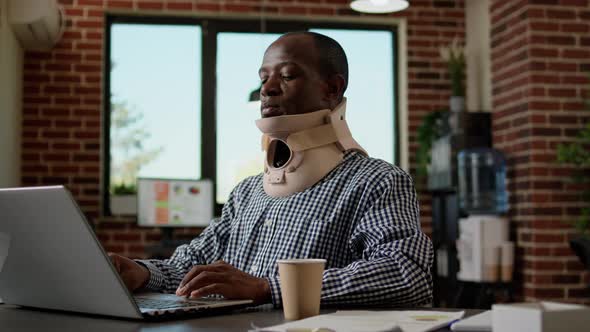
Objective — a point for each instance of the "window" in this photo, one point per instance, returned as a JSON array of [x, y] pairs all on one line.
[[179, 96]]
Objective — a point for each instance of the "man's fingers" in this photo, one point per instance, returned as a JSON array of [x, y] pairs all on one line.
[[203, 279], [221, 289], [196, 270], [190, 275]]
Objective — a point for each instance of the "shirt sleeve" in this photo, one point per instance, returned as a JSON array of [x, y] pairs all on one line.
[[393, 255], [166, 275]]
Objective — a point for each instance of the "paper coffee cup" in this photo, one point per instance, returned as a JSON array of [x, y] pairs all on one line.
[[491, 263], [301, 286]]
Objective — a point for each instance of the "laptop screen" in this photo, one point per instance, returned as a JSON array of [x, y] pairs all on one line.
[[174, 203]]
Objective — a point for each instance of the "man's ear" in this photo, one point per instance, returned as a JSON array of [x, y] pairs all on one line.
[[335, 89]]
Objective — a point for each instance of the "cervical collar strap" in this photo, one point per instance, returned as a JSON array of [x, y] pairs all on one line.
[[310, 130]]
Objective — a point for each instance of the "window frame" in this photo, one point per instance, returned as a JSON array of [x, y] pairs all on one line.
[[210, 27]]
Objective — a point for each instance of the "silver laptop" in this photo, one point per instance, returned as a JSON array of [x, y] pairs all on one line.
[[53, 260]]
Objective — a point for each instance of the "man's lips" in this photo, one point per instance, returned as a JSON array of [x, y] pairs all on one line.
[[270, 111]]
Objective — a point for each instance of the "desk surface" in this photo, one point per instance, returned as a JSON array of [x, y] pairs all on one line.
[[19, 319]]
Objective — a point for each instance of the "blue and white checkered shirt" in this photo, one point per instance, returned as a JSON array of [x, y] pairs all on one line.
[[363, 218]]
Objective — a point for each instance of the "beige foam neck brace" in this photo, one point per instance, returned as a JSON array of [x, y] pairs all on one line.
[[316, 141]]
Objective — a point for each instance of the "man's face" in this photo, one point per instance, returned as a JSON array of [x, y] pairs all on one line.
[[291, 82]]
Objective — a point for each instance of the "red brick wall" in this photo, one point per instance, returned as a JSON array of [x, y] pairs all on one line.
[[540, 49], [63, 97]]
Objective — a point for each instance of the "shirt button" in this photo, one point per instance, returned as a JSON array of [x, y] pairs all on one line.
[[268, 223], [254, 268]]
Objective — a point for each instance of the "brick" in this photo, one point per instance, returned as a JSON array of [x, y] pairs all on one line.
[[321, 11], [91, 146], [55, 112], [87, 3], [87, 90], [575, 27], [93, 57], [179, 5], [74, 12], [565, 93], [57, 89], [546, 293], [67, 100], [35, 145], [543, 52], [35, 168], [561, 14], [544, 105], [582, 292], [561, 40], [91, 192], [544, 26], [153, 237], [548, 238], [81, 157], [127, 237], [97, 24], [95, 13], [94, 35], [548, 185], [150, 5], [116, 248], [241, 8], [562, 119], [56, 156], [71, 35], [68, 56], [91, 100], [64, 169], [54, 180], [574, 80], [87, 134], [88, 68], [580, 3], [66, 78], [120, 4], [576, 54], [68, 123], [548, 265], [58, 67], [89, 46], [295, 10], [55, 134], [208, 6]]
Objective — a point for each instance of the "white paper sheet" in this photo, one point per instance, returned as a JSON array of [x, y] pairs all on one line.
[[370, 321]]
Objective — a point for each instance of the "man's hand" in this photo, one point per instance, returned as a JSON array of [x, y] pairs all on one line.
[[134, 275], [224, 279]]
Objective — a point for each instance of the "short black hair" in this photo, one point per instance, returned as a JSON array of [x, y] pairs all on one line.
[[331, 57]]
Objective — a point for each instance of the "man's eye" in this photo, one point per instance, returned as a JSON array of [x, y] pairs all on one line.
[[287, 77], [263, 80]]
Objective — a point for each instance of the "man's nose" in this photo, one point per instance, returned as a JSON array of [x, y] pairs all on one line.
[[271, 87]]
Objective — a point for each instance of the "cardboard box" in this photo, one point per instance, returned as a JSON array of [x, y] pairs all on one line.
[[477, 234], [540, 317]]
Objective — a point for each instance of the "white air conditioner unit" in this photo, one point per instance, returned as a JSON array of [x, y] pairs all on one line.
[[37, 24]]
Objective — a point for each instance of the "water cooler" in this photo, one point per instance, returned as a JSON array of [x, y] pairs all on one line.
[[445, 183]]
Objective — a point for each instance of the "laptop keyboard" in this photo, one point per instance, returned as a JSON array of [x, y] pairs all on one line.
[[171, 304]]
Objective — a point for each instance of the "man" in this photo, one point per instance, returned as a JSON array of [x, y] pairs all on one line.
[[360, 214]]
